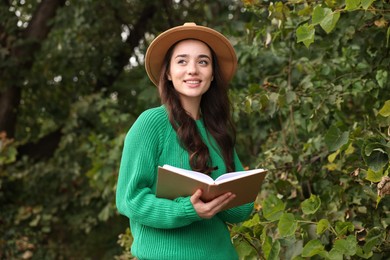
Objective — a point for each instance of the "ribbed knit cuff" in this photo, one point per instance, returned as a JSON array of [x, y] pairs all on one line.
[[189, 210]]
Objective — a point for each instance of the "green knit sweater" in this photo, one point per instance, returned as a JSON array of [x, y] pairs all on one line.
[[162, 228]]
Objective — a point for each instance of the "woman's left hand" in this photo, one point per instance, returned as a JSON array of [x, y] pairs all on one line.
[[208, 210]]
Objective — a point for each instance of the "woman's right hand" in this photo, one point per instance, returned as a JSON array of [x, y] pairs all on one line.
[[208, 210]]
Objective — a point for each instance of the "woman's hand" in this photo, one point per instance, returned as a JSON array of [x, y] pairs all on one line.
[[207, 210]]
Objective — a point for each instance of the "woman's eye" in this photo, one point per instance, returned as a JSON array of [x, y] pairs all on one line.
[[203, 62], [181, 62]]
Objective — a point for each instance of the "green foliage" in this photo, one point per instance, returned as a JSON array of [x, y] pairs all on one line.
[[310, 101], [319, 100]]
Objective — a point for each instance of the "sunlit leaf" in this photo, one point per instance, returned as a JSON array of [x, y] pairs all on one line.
[[319, 13], [311, 205], [385, 110], [305, 34], [332, 156], [352, 4], [374, 176], [329, 22], [366, 3], [322, 226]]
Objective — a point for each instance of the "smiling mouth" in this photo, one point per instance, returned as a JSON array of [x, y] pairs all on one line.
[[192, 81]]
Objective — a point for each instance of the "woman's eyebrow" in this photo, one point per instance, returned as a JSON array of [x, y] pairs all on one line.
[[186, 55], [204, 56]]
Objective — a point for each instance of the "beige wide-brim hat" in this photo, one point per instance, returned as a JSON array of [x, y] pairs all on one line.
[[223, 49]]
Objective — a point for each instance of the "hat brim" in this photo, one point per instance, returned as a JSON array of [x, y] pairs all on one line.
[[221, 46]]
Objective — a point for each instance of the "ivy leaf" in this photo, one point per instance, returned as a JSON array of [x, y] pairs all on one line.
[[311, 205], [322, 225], [287, 225], [313, 247], [330, 21], [273, 208], [385, 110], [305, 34], [366, 3], [319, 14], [334, 139]]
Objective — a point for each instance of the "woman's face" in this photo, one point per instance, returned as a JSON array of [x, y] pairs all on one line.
[[191, 69]]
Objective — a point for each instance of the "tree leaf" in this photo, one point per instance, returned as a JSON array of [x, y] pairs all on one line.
[[373, 238], [346, 246], [313, 247], [352, 4], [287, 225], [334, 139], [322, 225], [332, 156], [374, 176], [274, 252], [381, 77], [385, 110], [335, 254], [311, 205], [305, 34], [319, 14], [343, 227], [273, 208], [377, 159], [366, 3], [329, 22]]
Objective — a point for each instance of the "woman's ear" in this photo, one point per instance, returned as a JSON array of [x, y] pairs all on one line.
[[169, 76]]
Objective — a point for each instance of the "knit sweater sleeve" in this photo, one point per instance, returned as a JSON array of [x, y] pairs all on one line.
[[137, 176], [241, 213]]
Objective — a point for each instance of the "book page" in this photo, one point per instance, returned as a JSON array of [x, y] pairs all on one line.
[[236, 175], [191, 174]]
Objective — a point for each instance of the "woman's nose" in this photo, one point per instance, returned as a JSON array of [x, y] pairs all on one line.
[[192, 68]]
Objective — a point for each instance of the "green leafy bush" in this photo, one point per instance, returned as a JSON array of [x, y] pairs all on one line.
[[319, 114]]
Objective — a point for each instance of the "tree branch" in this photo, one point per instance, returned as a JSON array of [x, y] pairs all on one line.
[[136, 34], [37, 31]]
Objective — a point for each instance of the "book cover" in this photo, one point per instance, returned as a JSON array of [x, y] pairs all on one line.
[[174, 182]]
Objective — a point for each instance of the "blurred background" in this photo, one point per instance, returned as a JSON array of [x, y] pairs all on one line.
[[311, 101]]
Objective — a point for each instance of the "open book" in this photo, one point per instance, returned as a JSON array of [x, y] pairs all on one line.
[[173, 182]]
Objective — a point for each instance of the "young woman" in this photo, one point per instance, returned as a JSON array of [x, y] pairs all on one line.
[[191, 66]]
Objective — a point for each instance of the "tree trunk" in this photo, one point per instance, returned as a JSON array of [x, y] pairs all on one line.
[[35, 33]]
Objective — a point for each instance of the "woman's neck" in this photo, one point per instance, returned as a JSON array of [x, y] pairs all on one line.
[[192, 107]]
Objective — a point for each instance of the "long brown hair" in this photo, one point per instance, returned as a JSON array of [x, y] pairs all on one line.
[[215, 108]]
